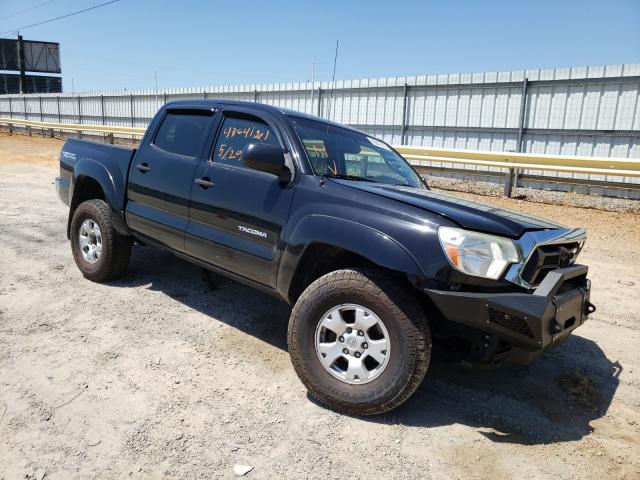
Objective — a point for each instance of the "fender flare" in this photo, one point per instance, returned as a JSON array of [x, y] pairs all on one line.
[[372, 244], [109, 180]]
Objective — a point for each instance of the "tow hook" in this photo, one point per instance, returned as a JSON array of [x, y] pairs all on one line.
[[554, 326], [589, 308]]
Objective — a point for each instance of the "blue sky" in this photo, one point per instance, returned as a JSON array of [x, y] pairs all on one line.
[[194, 43]]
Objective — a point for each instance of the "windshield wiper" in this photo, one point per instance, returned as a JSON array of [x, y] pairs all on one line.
[[351, 177]]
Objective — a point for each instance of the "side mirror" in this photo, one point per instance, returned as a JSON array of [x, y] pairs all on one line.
[[263, 157]]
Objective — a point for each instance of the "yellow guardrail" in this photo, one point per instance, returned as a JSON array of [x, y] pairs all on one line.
[[76, 127], [622, 167]]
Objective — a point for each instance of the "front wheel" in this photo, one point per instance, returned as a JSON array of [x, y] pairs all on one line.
[[99, 251], [359, 342]]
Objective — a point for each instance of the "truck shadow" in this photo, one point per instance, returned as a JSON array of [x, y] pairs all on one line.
[[553, 400]]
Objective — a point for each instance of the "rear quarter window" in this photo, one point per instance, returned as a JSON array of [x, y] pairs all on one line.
[[182, 134]]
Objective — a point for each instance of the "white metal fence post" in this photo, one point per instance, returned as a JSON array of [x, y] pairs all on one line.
[[511, 177], [405, 97]]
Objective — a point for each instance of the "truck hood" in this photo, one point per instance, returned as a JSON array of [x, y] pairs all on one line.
[[467, 214]]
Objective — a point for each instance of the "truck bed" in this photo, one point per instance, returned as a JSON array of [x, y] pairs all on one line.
[[101, 154]]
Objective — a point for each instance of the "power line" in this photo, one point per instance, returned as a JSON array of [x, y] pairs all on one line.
[[27, 9], [60, 17]]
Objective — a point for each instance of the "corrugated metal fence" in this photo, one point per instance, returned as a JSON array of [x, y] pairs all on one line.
[[569, 111]]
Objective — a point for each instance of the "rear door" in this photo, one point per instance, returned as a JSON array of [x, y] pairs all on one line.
[[162, 174], [238, 214]]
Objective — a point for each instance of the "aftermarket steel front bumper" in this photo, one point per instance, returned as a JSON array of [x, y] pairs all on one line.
[[529, 322]]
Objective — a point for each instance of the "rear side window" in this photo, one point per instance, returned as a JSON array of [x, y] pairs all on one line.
[[237, 132], [182, 134]]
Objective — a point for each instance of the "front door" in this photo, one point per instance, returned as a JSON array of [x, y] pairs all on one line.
[[162, 174], [238, 215]]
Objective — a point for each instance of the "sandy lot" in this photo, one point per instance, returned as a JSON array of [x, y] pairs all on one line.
[[166, 375]]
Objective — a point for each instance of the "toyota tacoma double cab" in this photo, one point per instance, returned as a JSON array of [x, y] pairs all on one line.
[[335, 222]]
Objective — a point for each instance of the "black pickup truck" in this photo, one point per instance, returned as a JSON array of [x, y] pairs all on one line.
[[340, 226]]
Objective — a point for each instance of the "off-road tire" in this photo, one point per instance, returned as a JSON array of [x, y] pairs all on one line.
[[116, 248], [404, 320]]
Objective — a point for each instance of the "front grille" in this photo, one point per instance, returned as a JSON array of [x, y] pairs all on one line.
[[512, 322], [546, 258]]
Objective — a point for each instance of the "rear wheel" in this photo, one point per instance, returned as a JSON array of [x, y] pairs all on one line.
[[99, 251], [359, 342]]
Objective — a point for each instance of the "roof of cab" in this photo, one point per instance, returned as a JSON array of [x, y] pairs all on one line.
[[215, 102]]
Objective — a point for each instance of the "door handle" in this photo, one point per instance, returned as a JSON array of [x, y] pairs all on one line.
[[143, 167], [204, 182]]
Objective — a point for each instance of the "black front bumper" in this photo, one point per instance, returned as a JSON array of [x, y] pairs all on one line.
[[529, 322]]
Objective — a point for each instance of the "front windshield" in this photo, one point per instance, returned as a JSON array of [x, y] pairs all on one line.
[[342, 153]]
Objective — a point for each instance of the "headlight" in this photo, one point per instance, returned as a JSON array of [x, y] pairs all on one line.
[[478, 254]]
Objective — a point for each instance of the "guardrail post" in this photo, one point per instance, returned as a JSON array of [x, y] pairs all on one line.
[[508, 182], [110, 138], [79, 132], [10, 109], [11, 129], [255, 96], [41, 113], [51, 135], [29, 132]]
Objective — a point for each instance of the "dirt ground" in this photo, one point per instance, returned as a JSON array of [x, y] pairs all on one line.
[[165, 375]]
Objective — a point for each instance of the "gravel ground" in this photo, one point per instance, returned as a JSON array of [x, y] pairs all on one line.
[[537, 196], [169, 374]]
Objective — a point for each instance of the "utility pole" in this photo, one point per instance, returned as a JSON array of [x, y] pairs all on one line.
[[21, 65], [333, 81], [313, 75]]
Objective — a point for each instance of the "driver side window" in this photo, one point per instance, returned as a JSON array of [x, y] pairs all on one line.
[[235, 134]]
